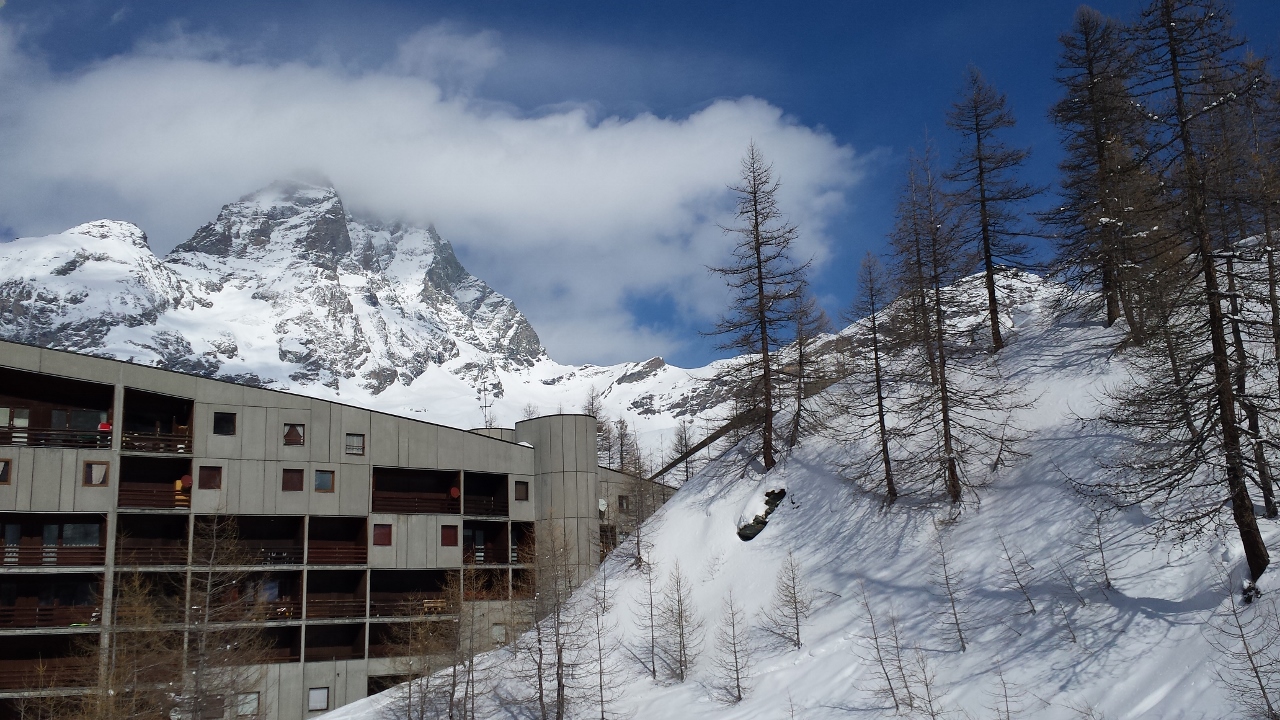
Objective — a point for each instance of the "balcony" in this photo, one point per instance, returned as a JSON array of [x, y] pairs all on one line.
[[155, 423], [23, 555], [334, 642], [403, 490], [40, 673], [48, 437], [152, 495], [337, 541], [154, 442], [485, 494], [485, 543], [328, 552], [151, 540], [34, 616], [48, 411], [397, 605], [334, 606]]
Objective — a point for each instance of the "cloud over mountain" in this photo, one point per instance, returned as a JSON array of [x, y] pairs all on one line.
[[574, 216]]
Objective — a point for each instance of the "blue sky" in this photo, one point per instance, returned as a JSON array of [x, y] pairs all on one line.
[[846, 88]]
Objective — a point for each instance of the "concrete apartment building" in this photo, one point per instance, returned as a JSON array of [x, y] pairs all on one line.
[[349, 513]]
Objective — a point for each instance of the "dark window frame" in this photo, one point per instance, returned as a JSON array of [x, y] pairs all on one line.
[[624, 503], [287, 480], [222, 416], [85, 474], [333, 481], [448, 536], [382, 535], [522, 490], [214, 477], [6, 471], [311, 705], [302, 434], [348, 446]]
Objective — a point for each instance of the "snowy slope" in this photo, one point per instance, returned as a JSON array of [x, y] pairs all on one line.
[[1140, 649], [286, 289]]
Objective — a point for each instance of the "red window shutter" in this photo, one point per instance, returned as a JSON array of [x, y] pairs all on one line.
[[291, 481], [381, 534], [449, 536]]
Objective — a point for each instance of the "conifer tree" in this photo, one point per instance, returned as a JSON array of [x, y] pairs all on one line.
[[1189, 69], [985, 172], [764, 280], [1103, 221]]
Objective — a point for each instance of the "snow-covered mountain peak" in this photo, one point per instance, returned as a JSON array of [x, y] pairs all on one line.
[[112, 230]]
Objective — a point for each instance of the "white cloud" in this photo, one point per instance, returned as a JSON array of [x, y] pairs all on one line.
[[568, 214]]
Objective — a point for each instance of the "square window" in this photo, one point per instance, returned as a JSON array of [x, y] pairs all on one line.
[[324, 481], [522, 490], [624, 503], [291, 480], [449, 536], [355, 444], [247, 704], [6, 466], [381, 535], [295, 434], [317, 699], [95, 474], [210, 477], [224, 423]]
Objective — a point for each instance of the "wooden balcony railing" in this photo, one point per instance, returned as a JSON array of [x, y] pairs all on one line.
[[37, 674], [46, 437], [52, 555], [282, 655], [152, 495], [52, 616], [484, 505], [248, 610], [274, 552], [401, 605], [322, 607], [340, 652], [328, 552], [155, 442], [156, 554], [487, 555], [390, 501]]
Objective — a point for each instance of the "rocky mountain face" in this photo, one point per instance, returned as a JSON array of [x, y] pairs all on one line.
[[286, 289], [284, 277]]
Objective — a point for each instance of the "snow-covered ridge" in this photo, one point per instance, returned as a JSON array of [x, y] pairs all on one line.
[[1141, 648], [287, 289]]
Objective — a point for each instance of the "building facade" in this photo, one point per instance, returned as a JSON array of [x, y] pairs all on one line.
[[351, 517]]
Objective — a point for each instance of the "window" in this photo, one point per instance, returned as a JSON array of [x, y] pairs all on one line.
[[247, 704], [381, 535], [295, 434], [210, 477], [324, 481], [608, 538], [5, 466], [522, 490], [355, 444], [80, 535], [317, 699], [291, 480], [448, 536], [95, 474], [224, 423], [624, 503]]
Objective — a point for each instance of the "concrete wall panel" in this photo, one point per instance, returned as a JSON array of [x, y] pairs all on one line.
[[78, 366], [94, 498], [252, 429], [382, 444]]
